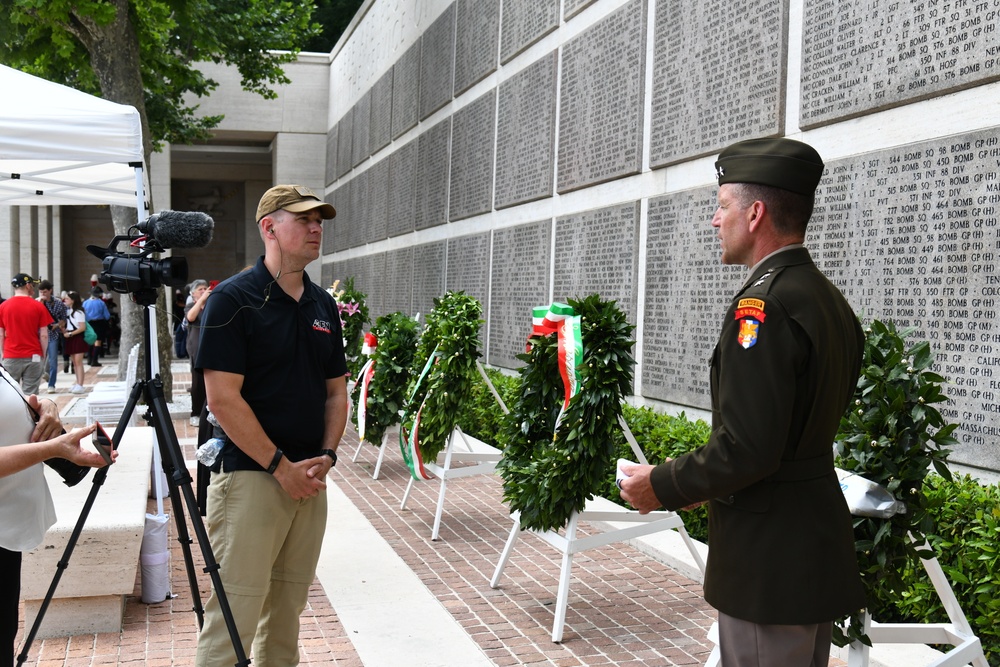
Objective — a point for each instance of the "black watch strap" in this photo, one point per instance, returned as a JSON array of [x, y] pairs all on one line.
[[274, 462], [332, 454]]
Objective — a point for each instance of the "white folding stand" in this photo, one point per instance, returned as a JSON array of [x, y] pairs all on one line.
[[958, 633], [483, 459], [381, 450], [597, 509]]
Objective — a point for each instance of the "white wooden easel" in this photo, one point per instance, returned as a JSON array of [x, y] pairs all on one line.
[[464, 449], [596, 510]]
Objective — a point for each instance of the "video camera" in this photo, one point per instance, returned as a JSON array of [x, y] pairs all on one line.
[[129, 273]]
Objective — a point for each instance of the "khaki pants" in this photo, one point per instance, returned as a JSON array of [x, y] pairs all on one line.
[[267, 546]]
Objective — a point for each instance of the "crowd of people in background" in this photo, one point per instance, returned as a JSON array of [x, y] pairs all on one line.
[[36, 328], [33, 337]]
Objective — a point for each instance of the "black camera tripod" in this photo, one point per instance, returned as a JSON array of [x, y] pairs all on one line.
[[178, 479]]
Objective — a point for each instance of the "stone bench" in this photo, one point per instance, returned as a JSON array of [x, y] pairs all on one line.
[[90, 597]]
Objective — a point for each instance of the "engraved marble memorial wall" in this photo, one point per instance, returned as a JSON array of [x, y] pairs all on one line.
[[428, 276], [524, 23], [345, 143], [687, 292], [912, 235], [437, 63], [520, 281], [397, 295], [477, 38], [406, 91], [532, 150], [402, 186], [709, 92], [360, 211], [863, 55], [362, 129], [471, 189], [380, 126], [431, 202], [378, 202], [526, 134], [600, 120], [469, 267], [596, 252]]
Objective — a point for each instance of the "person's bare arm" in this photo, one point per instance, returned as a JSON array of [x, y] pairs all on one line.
[[336, 421], [15, 458]]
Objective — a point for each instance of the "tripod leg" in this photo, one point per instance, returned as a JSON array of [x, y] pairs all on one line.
[[175, 477], [74, 537], [159, 417]]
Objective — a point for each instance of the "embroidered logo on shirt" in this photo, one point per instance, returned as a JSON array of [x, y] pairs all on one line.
[[321, 325], [750, 315]]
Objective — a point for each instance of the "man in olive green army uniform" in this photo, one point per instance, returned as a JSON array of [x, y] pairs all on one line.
[[781, 560]]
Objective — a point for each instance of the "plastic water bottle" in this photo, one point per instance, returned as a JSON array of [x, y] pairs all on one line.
[[209, 451]]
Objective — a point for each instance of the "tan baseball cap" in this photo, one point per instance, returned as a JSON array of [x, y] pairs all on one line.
[[295, 199]]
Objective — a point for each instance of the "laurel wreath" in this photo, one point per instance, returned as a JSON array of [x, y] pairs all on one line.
[[397, 344], [452, 337], [547, 477]]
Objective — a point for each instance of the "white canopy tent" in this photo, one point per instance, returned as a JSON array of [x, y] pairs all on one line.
[[59, 146]]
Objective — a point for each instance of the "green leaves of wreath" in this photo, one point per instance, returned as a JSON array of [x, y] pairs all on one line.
[[397, 345], [547, 478], [453, 332]]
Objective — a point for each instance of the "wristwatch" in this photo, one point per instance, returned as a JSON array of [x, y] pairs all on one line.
[[332, 454]]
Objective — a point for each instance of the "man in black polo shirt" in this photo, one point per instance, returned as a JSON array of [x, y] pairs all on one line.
[[272, 352]]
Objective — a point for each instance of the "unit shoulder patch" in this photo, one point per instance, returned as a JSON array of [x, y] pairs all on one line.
[[750, 314]]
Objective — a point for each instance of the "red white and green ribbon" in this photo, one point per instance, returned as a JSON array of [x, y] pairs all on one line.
[[409, 445], [560, 319], [367, 372]]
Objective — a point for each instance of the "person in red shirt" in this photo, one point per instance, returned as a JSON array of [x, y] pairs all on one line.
[[24, 333]]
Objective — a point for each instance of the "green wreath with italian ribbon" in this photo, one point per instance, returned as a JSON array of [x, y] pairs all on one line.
[[386, 390], [449, 348], [559, 453]]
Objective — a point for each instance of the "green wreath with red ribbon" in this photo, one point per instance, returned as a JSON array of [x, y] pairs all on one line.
[[449, 348], [559, 452], [381, 388]]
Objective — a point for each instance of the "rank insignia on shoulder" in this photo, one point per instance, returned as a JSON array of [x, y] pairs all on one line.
[[760, 281], [750, 315]]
